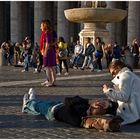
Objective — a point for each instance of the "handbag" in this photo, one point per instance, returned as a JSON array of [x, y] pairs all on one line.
[[63, 53], [107, 123]]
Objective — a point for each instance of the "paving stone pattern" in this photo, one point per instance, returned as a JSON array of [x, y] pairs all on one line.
[[14, 124]]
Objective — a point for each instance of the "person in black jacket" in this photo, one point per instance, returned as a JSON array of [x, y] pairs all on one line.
[[70, 111], [88, 52], [135, 51]]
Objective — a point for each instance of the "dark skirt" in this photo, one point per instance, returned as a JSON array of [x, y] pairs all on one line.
[[50, 59]]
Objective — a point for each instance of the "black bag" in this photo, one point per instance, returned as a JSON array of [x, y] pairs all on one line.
[[63, 53]]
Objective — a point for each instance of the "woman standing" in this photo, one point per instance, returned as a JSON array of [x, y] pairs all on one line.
[[126, 91], [135, 51], [99, 52], [42, 45], [49, 56]]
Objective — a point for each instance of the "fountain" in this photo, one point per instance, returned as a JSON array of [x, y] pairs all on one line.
[[95, 17]]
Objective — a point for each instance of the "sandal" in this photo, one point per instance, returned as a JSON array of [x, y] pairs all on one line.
[[48, 85], [44, 83], [53, 84]]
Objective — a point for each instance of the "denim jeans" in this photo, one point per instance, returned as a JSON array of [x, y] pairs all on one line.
[[76, 60], [57, 67], [87, 61], [36, 107]]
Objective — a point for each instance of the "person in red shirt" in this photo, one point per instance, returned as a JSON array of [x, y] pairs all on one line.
[[42, 45]]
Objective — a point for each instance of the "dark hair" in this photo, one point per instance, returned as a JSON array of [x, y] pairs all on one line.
[[88, 38], [118, 64], [103, 43], [47, 22], [43, 21], [61, 39], [98, 39]]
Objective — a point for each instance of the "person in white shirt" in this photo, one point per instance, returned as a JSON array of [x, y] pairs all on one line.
[[77, 53]]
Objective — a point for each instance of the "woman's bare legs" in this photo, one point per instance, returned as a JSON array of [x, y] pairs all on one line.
[[53, 75]]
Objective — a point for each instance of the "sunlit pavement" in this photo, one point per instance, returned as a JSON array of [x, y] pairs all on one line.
[[14, 124]]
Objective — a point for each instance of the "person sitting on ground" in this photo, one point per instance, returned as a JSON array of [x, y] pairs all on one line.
[[88, 52], [126, 91], [71, 111], [77, 54]]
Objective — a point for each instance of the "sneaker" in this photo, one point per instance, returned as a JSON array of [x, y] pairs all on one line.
[[66, 73], [75, 67], [24, 71], [99, 70], [58, 74], [35, 71], [82, 68], [31, 94], [25, 100]]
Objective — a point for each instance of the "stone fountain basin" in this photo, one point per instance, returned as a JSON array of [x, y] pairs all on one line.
[[88, 15]]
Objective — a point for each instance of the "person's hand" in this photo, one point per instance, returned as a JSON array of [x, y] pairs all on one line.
[[98, 107], [104, 104], [105, 88]]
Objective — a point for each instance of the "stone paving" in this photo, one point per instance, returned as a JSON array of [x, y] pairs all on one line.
[[14, 124]]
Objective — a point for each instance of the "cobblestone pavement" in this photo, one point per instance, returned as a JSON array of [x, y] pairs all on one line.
[[14, 124]]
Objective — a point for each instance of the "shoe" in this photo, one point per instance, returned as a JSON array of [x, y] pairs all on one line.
[[75, 67], [87, 67], [99, 70], [49, 85], [44, 83], [35, 71], [25, 100], [24, 71], [82, 68], [66, 73], [58, 74], [31, 94]]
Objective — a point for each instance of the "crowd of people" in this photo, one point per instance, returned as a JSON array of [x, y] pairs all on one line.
[[92, 55], [87, 56], [122, 101], [17, 53]]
